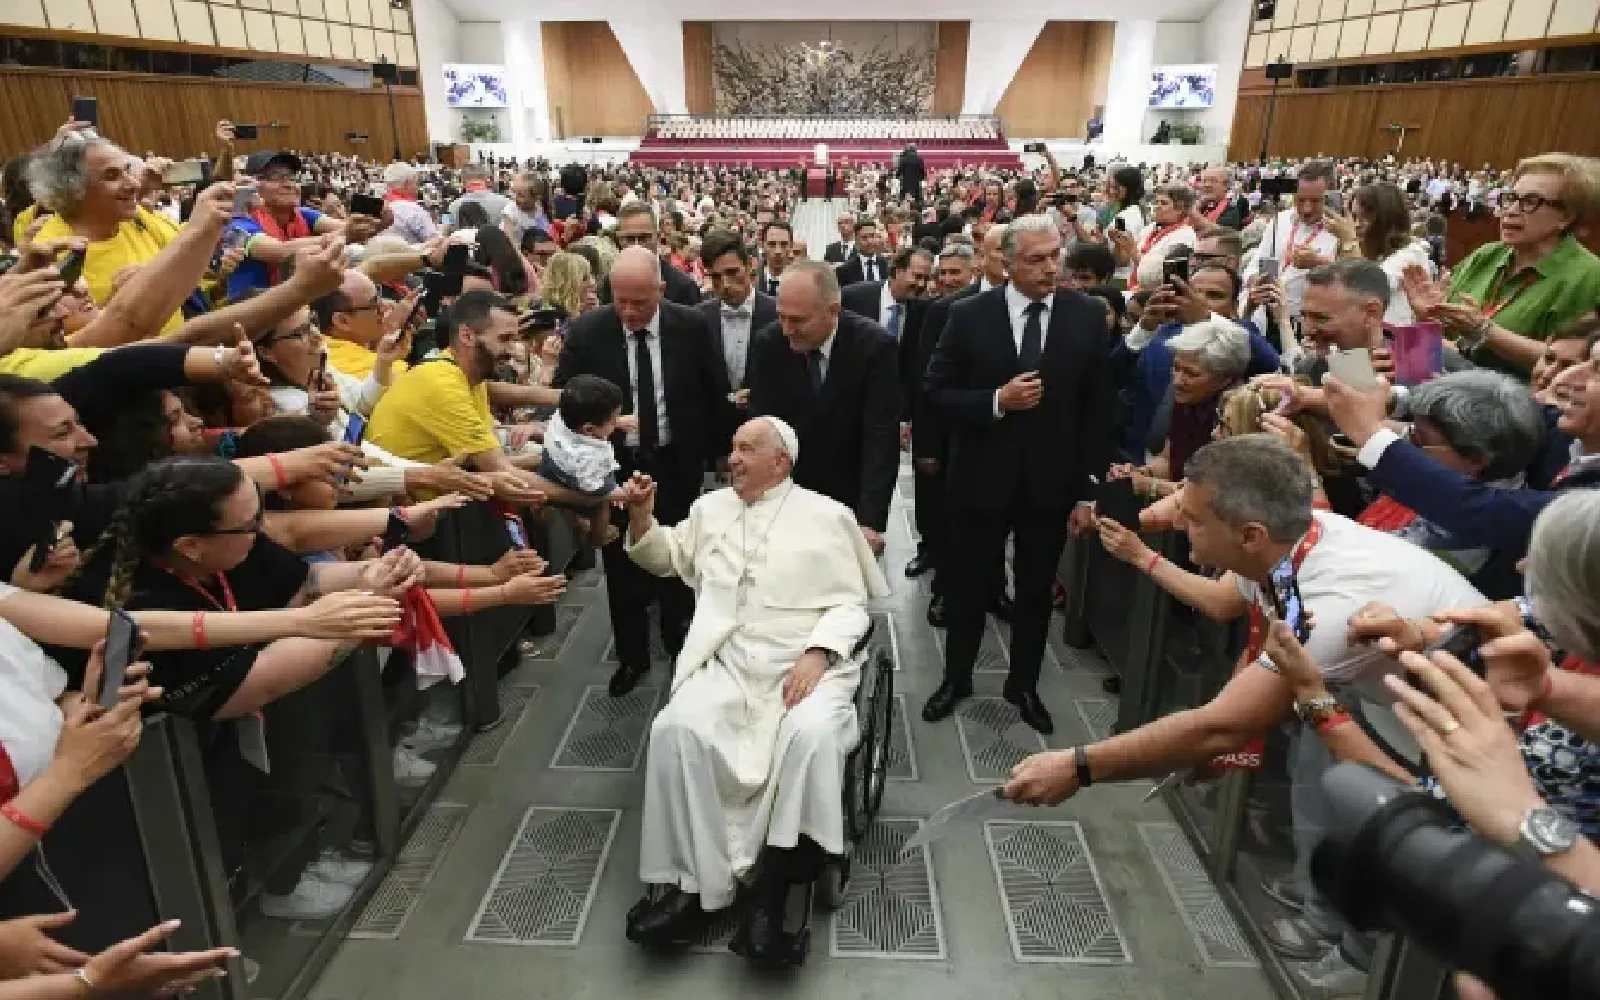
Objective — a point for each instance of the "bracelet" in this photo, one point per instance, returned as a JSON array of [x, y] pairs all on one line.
[[86, 986], [1149, 567], [400, 512], [198, 626], [277, 471], [466, 602], [1333, 722], [461, 576], [22, 821]]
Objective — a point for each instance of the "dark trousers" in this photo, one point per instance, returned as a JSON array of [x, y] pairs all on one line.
[[629, 589], [976, 547], [933, 522]]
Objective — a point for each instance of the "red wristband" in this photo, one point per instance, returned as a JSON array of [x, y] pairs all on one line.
[[27, 824], [461, 576], [1155, 557], [1333, 722], [277, 471], [466, 602], [198, 626]]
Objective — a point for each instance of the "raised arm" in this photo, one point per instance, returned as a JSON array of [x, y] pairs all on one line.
[[317, 272]]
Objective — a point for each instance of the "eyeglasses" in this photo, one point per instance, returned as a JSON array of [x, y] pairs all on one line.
[[303, 332], [373, 306], [256, 523], [1528, 203], [635, 239]]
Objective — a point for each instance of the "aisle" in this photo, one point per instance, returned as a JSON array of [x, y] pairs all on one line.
[[517, 885], [816, 223]]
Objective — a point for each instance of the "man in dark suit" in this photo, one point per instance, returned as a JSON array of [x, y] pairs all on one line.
[[1022, 376], [839, 251], [912, 173], [835, 377], [868, 262], [676, 385], [896, 305], [636, 227], [737, 310], [777, 250]]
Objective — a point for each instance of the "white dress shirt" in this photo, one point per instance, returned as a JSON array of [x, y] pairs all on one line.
[[653, 340], [872, 268], [736, 337], [1017, 308]]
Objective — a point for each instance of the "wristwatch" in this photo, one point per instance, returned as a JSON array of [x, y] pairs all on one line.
[[1544, 832], [1318, 710]]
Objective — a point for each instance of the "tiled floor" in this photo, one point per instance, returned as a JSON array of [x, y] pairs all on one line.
[[536, 842]]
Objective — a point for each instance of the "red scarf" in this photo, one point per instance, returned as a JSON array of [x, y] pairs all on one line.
[[1216, 211], [397, 196], [420, 631], [297, 229]]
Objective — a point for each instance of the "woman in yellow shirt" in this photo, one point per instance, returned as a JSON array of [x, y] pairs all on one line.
[[86, 181]]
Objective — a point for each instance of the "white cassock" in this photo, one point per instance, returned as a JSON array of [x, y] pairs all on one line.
[[730, 769]]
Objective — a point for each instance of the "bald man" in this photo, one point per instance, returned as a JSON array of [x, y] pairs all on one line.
[[354, 320], [674, 381]]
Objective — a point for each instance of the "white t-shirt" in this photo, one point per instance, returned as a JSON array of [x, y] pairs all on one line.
[[1133, 220], [30, 683]]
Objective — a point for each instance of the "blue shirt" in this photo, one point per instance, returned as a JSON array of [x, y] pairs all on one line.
[[252, 273]]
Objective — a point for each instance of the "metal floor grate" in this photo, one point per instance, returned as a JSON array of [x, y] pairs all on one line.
[[554, 645], [1098, 715], [993, 739], [994, 655], [902, 751], [1216, 936], [658, 650], [891, 903], [391, 906], [1055, 905], [486, 749], [545, 886], [606, 733]]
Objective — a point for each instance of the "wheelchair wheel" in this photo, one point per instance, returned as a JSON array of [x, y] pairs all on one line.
[[867, 766], [882, 709], [831, 884]]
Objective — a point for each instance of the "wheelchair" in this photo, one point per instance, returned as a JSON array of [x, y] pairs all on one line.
[[866, 773]]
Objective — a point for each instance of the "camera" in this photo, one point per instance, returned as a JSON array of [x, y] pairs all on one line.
[[1396, 858]]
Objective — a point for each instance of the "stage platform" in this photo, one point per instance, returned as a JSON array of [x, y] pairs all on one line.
[[777, 155]]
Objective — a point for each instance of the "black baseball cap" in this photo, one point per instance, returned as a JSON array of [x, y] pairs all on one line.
[[257, 163]]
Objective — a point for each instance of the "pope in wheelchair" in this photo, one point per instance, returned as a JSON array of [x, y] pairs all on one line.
[[744, 788]]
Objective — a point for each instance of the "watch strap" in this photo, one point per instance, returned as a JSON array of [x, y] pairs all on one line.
[[1080, 759]]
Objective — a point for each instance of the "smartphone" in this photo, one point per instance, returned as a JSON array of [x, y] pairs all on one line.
[[396, 534], [70, 267], [366, 204], [355, 429], [247, 132], [319, 374], [1269, 268], [1119, 224], [1461, 642], [86, 110], [1334, 201], [519, 536], [244, 199], [1115, 499], [456, 256], [184, 172], [1353, 368], [122, 648], [1175, 268]]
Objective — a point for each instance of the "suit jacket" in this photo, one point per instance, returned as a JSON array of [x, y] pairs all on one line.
[[693, 377], [763, 312], [680, 287], [852, 273], [834, 253], [927, 423], [1045, 455], [864, 299], [849, 433]]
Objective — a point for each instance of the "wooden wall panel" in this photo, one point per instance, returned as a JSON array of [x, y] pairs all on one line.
[[176, 116], [593, 88], [950, 66], [1061, 80], [698, 87], [1496, 121]]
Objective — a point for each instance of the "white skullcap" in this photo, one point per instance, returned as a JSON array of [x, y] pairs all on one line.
[[788, 440]]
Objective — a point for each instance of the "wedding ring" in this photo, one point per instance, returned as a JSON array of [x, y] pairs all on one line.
[[1451, 726]]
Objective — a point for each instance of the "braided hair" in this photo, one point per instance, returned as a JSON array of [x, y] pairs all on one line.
[[167, 500]]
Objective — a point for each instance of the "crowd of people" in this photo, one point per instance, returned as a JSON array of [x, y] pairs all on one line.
[[231, 410]]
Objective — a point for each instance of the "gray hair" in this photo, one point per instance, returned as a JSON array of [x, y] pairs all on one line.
[[827, 283], [1563, 574], [1484, 416], [1354, 274], [1222, 346], [1027, 224], [1256, 477], [1223, 169], [58, 174], [962, 250], [397, 175]]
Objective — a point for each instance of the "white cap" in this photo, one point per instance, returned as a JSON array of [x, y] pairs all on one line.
[[788, 440]]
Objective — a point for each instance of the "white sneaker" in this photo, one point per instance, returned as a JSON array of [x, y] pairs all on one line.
[[410, 768], [314, 898], [334, 867], [1331, 976], [431, 735]]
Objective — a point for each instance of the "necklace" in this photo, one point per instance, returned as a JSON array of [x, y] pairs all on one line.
[[746, 569]]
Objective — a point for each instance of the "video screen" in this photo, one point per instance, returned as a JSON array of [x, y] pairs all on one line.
[[1183, 86], [473, 86]]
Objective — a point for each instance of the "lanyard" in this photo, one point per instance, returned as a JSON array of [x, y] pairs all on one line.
[[1294, 230], [1289, 566], [226, 604], [1157, 235], [1491, 308], [1221, 206]]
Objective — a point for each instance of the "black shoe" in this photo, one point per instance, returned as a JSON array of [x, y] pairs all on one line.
[[945, 700], [625, 680], [1000, 606], [919, 565], [673, 921], [1033, 711], [936, 613]]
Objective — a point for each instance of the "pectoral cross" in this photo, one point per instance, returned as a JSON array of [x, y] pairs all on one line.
[[741, 589]]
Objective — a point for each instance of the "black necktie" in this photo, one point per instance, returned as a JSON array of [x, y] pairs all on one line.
[[1032, 351], [869, 267], [814, 366], [645, 391], [772, 286]]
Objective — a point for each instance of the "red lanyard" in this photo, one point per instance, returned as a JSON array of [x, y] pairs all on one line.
[[1294, 230], [1258, 632], [226, 604], [1217, 210], [1157, 235], [1490, 307]]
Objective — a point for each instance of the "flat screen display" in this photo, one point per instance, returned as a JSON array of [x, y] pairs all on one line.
[[468, 85], [1177, 87]]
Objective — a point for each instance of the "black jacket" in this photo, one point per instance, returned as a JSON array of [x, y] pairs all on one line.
[[764, 311], [694, 379], [864, 299], [835, 252], [1044, 455], [927, 422], [851, 271], [680, 287], [850, 432]]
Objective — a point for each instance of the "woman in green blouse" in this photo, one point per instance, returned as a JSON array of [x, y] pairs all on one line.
[[1509, 296]]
